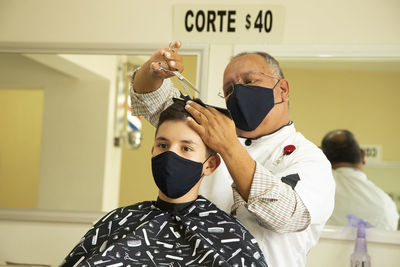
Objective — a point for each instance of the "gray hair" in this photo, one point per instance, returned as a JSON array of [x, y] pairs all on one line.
[[272, 63]]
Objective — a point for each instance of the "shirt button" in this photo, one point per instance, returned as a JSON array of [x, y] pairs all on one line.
[[247, 142]]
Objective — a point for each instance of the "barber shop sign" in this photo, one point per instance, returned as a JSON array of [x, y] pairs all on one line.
[[258, 24]]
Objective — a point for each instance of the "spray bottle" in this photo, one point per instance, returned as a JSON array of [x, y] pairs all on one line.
[[360, 257]]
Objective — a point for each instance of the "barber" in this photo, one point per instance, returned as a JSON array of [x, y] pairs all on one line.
[[283, 189]]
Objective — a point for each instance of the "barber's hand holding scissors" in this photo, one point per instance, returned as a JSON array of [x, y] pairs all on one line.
[[219, 133], [167, 58], [149, 77]]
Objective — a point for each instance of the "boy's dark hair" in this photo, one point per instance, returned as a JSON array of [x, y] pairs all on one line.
[[177, 112], [341, 146]]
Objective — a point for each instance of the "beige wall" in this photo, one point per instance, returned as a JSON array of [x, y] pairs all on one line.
[[73, 134], [20, 140], [38, 242], [334, 253], [364, 102], [136, 21]]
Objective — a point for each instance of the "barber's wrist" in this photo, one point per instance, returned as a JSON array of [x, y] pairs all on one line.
[[133, 78], [144, 80], [230, 149]]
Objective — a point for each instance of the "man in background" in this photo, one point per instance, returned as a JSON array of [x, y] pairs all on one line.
[[355, 194]]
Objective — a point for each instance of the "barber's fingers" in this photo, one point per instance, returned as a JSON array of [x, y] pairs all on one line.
[[214, 111], [155, 68], [167, 58], [174, 46], [155, 63], [173, 59], [197, 109], [198, 115], [196, 127]]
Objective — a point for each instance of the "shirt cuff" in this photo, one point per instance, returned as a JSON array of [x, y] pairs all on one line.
[[264, 186], [153, 100]]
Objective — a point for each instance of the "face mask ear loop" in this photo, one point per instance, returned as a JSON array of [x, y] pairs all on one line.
[[273, 90], [212, 154]]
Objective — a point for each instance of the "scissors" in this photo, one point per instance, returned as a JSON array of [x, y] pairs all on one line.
[[180, 77], [185, 82]]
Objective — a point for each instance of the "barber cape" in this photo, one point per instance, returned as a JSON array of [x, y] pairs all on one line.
[[316, 188], [157, 233]]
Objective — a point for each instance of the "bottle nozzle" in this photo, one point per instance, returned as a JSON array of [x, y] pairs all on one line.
[[354, 221]]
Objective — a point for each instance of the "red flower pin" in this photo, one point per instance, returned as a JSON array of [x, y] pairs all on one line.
[[287, 150]]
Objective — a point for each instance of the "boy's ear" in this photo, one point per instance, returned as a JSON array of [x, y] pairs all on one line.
[[152, 149], [212, 163]]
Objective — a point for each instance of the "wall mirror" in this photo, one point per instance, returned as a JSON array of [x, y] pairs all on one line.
[[61, 111], [355, 94]]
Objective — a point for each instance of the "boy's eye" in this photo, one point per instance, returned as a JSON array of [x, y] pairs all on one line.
[[187, 149], [162, 145]]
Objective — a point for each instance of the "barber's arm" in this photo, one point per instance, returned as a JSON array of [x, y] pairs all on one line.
[[152, 90], [276, 205]]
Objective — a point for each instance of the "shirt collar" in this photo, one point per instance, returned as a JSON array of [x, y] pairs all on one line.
[[350, 171], [276, 136], [172, 207]]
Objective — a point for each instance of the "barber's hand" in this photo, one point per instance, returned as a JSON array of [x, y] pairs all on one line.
[[149, 77], [216, 130], [169, 59]]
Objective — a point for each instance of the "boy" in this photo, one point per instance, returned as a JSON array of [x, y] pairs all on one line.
[[181, 228]]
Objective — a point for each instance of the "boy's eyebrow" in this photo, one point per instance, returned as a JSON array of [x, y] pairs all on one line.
[[190, 142], [161, 138]]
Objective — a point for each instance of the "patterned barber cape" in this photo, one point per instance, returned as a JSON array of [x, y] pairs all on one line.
[[157, 233]]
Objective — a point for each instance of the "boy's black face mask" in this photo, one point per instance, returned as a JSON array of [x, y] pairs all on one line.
[[174, 175], [249, 105]]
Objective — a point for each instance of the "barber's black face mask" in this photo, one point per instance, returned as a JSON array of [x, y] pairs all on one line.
[[249, 105], [174, 175]]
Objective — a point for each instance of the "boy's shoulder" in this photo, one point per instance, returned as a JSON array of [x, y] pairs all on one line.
[[206, 208], [131, 210]]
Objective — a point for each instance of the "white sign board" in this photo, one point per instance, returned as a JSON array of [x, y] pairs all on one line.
[[234, 24], [372, 152]]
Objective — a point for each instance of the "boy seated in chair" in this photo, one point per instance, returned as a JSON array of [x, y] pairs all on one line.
[[180, 228]]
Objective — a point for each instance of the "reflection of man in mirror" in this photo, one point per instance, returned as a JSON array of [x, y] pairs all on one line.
[[282, 184], [181, 228], [355, 194]]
